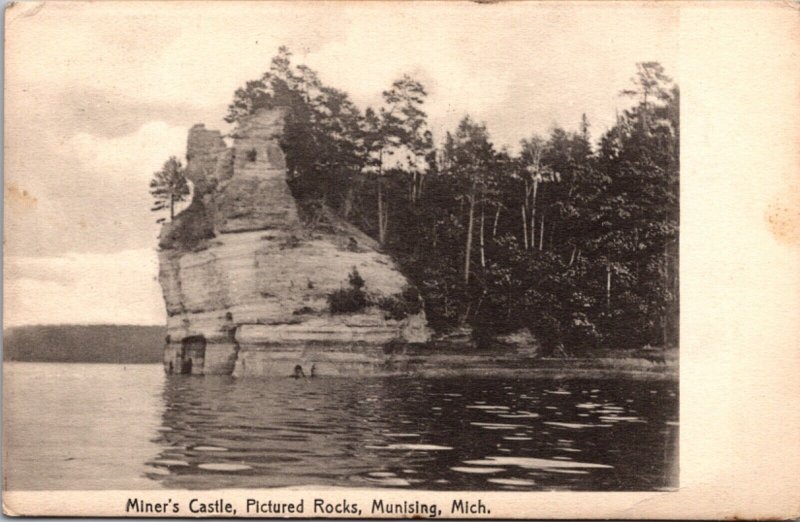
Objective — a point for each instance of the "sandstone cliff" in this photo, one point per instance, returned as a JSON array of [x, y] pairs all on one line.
[[246, 284]]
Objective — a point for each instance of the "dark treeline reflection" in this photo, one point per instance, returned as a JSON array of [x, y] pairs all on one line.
[[433, 434]]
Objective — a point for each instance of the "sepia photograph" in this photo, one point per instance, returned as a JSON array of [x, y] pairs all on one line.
[[421, 247]]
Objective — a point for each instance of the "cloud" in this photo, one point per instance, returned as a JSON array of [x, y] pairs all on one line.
[[132, 157], [116, 288], [520, 67], [170, 52], [91, 191]]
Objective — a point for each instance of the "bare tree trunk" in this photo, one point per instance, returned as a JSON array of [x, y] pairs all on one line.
[[483, 253], [385, 231], [347, 206], [524, 226], [381, 237], [496, 219], [667, 307], [508, 297], [381, 229], [541, 234], [171, 207], [469, 235], [608, 285], [572, 256], [533, 215], [480, 301]]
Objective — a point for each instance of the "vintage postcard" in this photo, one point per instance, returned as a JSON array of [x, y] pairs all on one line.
[[402, 259]]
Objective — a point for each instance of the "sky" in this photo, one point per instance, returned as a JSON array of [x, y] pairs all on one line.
[[99, 95]]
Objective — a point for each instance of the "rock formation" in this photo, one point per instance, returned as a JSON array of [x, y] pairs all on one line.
[[246, 284]]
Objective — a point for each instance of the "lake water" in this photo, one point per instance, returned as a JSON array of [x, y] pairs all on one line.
[[103, 426]]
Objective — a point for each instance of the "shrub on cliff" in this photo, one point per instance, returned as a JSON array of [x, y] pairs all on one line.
[[401, 306], [349, 300]]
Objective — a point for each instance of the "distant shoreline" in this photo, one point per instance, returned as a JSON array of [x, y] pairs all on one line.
[[99, 343]]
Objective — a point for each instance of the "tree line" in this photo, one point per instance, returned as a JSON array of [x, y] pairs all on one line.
[[574, 240]]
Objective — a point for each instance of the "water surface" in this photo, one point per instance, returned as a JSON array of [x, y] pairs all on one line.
[[81, 426]]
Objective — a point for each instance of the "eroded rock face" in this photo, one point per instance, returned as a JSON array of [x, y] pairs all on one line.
[[246, 285]]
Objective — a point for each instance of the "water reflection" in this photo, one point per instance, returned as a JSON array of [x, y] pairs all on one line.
[[431, 434]]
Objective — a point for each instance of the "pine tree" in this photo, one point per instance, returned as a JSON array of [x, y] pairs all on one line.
[[169, 186]]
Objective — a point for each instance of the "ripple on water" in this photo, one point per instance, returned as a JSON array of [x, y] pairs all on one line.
[[412, 447], [519, 415], [532, 463], [222, 466], [497, 425], [576, 425], [389, 481], [477, 469], [511, 481], [170, 462]]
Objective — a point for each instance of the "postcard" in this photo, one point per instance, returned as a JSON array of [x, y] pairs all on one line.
[[402, 259]]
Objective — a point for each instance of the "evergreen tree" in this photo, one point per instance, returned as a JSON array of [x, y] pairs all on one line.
[[169, 186]]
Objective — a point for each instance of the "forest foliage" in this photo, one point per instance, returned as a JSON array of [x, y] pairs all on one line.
[[572, 238]]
